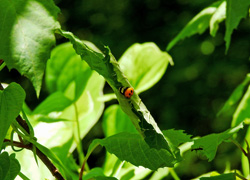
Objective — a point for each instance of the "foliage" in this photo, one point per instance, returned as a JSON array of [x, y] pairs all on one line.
[[75, 75]]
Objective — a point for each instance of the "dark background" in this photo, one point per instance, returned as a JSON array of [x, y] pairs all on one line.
[[192, 91]]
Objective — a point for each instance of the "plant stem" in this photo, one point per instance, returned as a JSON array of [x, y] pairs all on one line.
[[173, 173], [78, 138]]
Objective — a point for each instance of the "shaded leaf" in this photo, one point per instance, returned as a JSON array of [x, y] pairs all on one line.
[[208, 145], [11, 102], [9, 166], [242, 112], [235, 96], [27, 36], [236, 10]]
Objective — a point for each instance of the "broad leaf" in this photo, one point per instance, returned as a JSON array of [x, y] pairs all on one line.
[[236, 10], [235, 96], [27, 36], [144, 65], [242, 112], [132, 148], [197, 25], [107, 66], [218, 16], [11, 101], [208, 145], [177, 137], [9, 165], [56, 102], [116, 121]]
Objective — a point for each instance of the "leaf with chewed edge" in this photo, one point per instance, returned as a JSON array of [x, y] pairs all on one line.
[[132, 148]]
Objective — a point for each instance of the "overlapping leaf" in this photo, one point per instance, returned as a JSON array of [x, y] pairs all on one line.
[[9, 166], [11, 101]]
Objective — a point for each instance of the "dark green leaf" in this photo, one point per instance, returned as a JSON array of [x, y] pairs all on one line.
[[235, 96], [242, 112], [9, 166], [11, 101], [27, 36], [132, 148], [236, 10], [208, 145], [177, 137]]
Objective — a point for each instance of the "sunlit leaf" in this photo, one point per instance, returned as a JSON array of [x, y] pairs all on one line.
[[11, 102], [197, 25], [218, 16], [144, 65], [116, 121], [27, 36], [208, 145], [107, 66], [97, 174], [236, 10], [229, 176]]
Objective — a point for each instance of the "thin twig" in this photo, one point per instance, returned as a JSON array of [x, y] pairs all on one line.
[[54, 171]]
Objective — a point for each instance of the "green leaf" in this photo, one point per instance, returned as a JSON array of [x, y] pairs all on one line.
[[218, 16], [236, 10], [97, 174], [151, 62], [229, 176], [177, 137], [56, 102], [107, 66], [242, 112], [132, 148], [116, 121], [235, 96], [62, 168], [27, 36], [65, 71], [208, 145], [197, 25], [9, 165], [11, 101]]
